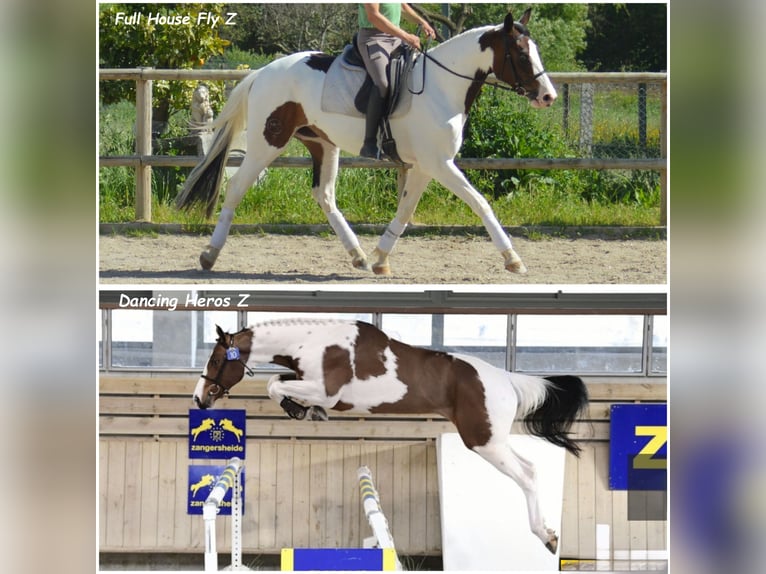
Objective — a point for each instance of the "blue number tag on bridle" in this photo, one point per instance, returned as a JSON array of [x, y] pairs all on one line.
[[232, 354]]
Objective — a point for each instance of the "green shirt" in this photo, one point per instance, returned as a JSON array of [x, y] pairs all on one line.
[[392, 11]]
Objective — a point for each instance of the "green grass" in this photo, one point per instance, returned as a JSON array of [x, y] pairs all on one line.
[[572, 198], [364, 197]]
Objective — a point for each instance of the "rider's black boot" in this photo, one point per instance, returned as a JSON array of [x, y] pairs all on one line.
[[374, 113]]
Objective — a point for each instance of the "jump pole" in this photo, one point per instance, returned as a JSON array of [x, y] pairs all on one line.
[[371, 503], [230, 478], [378, 553]]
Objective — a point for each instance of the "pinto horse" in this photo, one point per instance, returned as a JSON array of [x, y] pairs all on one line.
[[353, 366], [283, 100]]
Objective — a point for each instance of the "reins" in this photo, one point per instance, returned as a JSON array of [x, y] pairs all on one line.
[[518, 88]]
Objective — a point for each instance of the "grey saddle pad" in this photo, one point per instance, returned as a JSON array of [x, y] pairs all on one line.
[[343, 81]]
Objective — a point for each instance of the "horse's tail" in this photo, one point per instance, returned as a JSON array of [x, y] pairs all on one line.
[[550, 414], [204, 182]]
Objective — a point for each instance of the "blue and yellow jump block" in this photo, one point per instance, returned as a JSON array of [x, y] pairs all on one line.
[[338, 559]]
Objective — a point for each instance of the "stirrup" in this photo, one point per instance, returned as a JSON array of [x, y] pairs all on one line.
[[370, 150]]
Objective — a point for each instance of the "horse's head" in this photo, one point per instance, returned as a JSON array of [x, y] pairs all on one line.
[[225, 367], [517, 61]]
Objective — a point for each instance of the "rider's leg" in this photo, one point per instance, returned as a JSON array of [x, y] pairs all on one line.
[[372, 123], [375, 49]]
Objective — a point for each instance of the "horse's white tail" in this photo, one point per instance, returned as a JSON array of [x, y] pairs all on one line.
[[204, 182]]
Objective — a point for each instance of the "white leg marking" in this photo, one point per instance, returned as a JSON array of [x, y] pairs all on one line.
[[414, 187]]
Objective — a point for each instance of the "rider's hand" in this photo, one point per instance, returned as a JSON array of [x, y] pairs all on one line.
[[412, 40], [428, 30]]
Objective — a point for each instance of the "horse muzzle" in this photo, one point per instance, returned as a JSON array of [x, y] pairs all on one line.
[[541, 101]]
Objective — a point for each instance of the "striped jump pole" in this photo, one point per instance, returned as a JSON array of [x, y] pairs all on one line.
[[378, 553], [371, 503], [230, 478]]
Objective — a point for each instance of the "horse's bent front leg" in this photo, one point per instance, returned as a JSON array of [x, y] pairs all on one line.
[[289, 392], [415, 183], [453, 179]]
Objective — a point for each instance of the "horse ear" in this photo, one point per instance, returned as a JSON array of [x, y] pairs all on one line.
[[525, 16], [221, 334], [508, 24]]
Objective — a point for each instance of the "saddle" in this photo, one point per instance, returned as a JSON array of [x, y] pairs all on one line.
[[347, 89]]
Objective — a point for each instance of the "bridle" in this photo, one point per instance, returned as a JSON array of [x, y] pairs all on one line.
[[516, 87], [232, 355]]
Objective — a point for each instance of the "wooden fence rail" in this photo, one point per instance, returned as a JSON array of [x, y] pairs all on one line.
[[143, 160]]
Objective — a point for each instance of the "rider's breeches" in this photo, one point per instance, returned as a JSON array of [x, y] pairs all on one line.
[[375, 48]]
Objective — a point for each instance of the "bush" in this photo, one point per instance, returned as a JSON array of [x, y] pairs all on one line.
[[504, 126], [116, 137], [235, 59], [498, 128]]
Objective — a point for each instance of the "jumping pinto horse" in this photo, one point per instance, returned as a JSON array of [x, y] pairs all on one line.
[[353, 366], [283, 100]]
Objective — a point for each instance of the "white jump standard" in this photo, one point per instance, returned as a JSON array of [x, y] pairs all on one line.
[[230, 479]]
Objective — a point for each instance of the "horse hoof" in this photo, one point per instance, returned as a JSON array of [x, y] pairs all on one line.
[[513, 262], [381, 265], [317, 414], [208, 256], [360, 264], [553, 544], [359, 259]]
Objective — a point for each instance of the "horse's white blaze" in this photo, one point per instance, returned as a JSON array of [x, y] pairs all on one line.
[[546, 86], [200, 388]]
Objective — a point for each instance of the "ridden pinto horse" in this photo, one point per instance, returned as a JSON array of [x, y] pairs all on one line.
[[353, 366], [283, 100]]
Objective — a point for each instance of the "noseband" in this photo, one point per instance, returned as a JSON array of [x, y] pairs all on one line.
[[232, 355]]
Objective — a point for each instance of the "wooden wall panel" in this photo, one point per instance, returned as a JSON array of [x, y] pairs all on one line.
[[301, 478]]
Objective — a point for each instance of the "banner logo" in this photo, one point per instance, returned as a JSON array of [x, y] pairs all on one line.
[[217, 433], [202, 479]]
